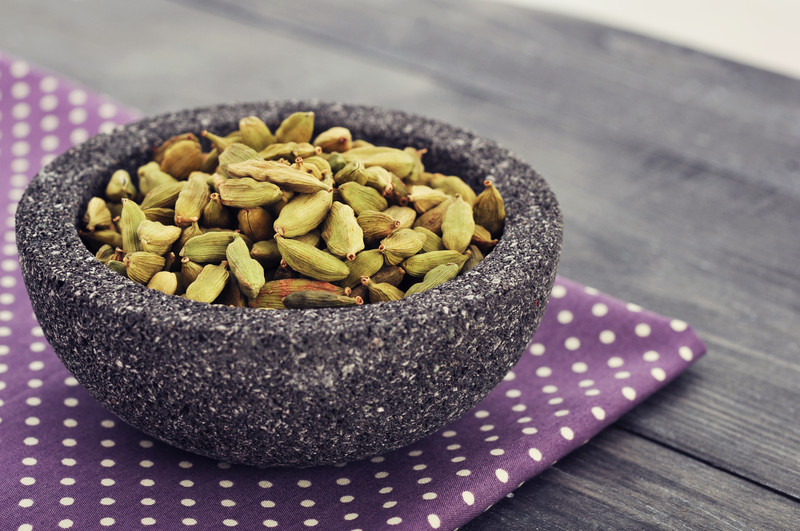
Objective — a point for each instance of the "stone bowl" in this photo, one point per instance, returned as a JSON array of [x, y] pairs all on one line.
[[290, 387]]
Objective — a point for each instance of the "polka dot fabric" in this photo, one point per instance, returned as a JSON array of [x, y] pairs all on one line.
[[70, 464]]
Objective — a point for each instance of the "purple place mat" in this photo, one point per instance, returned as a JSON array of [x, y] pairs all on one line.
[[69, 463]]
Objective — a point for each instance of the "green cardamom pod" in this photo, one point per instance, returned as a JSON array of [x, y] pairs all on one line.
[[319, 299], [256, 223], [452, 185], [489, 209], [341, 231], [376, 225], [118, 267], [365, 264], [132, 215], [209, 283], [210, 247], [106, 253], [361, 198], [215, 214], [390, 275], [162, 215], [155, 237], [303, 214], [233, 154], [312, 238], [334, 139], [382, 292], [418, 171], [435, 277], [141, 266], [474, 257], [433, 241], [161, 150], [192, 200], [273, 292], [97, 215], [231, 295], [458, 225], [359, 143], [248, 193], [266, 252], [151, 176], [165, 282], [284, 176], [399, 193], [255, 133], [163, 196], [336, 162], [98, 238], [188, 233], [189, 271], [247, 271], [310, 261], [379, 179], [400, 245], [419, 264], [120, 185], [394, 160], [432, 219], [425, 198], [297, 127], [483, 239], [210, 161], [321, 164], [405, 215], [182, 158], [351, 172], [222, 143]]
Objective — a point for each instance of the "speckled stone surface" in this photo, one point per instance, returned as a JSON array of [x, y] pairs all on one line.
[[293, 387]]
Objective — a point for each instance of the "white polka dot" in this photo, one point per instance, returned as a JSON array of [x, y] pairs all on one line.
[[231, 503], [304, 483], [107, 423], [32, 421], [615, 362], [346, 499], [385, 490], [50, 143], [678, 325], [226, 484], [36, 365], [107, 127], [452, 447], [27, 502], [48, 103], [65, 524], [561, 413], [686, 353], [71, 402], [537, 349], [377, 459], [598, 412], [70, 381], [20, 111], [395, 520], [502, 475], [107, 521], [535, 454], [519, 407], [25, 527], [523, 420], [27, 481], [78, 135], [464, 472], [77, 116], [549, 389], [107, 463], [481, 414], [487, 427], [70, 423], [148, 521], [492, 438], [351, 516], [77, 97], [147, 464], [265, 484], [188, 502], [146, 443], [564, 317], [572, 343], [599, 309], [650, 355], [389, 504], [434, 521], [633, 307], [469, 498], [497, 451], [567, 433], [449, 433], [20, 166], [607, 337], [629, 393], [659, 374], [68, 461], [544, 372], [642, 330], [20, 69], [621, 375], [420, 467], [530, 430], [49, 123], [513, 393], [558, 291], [229, 522], [147, 483], [108, 501], [66, 501], [4, 349], [429, 496], [415, 453], [69, 442], [20, 148], [21, 130], [48, 84], [579, 367], [307, 503], [223, 465], [107, 110], [67, 481], [270, 523], [20, 90]]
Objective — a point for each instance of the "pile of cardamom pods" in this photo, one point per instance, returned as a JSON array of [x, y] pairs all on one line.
[[280, 221]]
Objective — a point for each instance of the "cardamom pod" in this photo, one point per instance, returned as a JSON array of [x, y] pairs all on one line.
[[162, 215], [155, 237], [310, 261], [131, 216], [334, 139], [399, 193], [163, 195], [432, 219], [458, 225], [394, 160], [233, 154], [297, 127], [379, 179], [351, 172], [189, 271], [95, 240], [359, 143], [312, 238], [303, 213], [182, 158], [483, 238], [417, 173], [151, 175], [248, 193], [435, 277], [362, 198], [425, 197], [215, 214], [376, 225], [405, 215], [400, 245], [452, 185], [319, 299], [475, 256], [118, 267], [341, 231], [209, 283], [336, 162], [382, 292], [284, 176], [165, 282], [365, 264], [284, 271], [221, 143], [489, 209], [188, 233], [142, 265], [231, 295], [419, 264], [192, 200], [97, 215], [256, 223], [289, 151], [266, 252], [210, 247], [106, 253], [210, 161], [433, 241], [247, 271], [273, 292], [321, 164], [255, 133], [390, 275], [120, 185]]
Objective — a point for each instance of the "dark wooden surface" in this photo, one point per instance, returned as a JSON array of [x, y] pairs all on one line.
[[679, 176]]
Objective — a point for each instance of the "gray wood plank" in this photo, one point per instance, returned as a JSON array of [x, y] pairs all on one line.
[[676, 171], [619, 481]]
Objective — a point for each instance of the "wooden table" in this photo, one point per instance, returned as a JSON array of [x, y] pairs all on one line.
[[678, 173]]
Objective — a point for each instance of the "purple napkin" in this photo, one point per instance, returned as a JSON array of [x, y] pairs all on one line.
[[69, 463]]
